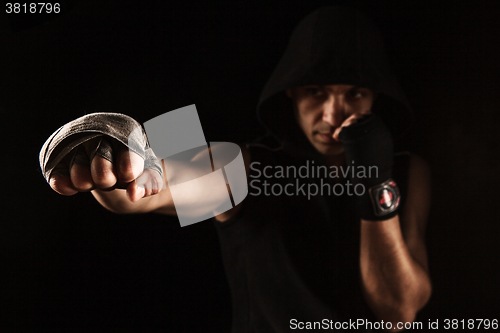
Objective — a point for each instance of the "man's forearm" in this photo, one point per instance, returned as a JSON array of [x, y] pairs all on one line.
[[396, 286]]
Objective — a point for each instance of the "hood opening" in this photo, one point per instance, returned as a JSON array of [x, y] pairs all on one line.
[[332, 45]]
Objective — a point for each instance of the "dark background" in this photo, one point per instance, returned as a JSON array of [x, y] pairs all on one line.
[[67, 264]]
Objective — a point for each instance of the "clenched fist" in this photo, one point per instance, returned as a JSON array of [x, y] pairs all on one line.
[[86, 169], [101, 151]]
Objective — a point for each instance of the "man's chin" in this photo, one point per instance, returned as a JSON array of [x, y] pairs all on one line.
[[330, 149]]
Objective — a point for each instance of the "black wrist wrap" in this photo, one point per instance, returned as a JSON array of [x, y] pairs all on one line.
[[368, 144]]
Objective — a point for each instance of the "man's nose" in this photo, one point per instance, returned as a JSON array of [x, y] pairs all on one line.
[[333, 111]]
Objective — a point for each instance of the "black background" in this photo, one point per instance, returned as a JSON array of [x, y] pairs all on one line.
[[67, 264]]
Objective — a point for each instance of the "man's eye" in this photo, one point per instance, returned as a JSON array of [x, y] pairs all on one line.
[[314, 91], [355, 93]]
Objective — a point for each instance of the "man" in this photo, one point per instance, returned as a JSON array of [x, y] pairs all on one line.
[[295, 260]]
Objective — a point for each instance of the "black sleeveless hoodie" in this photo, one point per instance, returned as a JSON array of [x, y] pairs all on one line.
[[293, 259]]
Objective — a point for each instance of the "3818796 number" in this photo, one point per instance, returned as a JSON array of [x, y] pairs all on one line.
[[471, 324], [32, 8]]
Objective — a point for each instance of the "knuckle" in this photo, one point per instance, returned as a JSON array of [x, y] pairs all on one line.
[[125, 170], [82, 186], [57, 184], [129, 167], [103, 176], [80, 178]]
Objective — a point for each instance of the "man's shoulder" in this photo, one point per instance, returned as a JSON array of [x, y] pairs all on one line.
[[264, 152]]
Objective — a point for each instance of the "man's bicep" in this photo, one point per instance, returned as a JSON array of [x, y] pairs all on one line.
[[416, 210]]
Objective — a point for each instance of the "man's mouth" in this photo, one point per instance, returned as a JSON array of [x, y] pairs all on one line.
[[326, 137]]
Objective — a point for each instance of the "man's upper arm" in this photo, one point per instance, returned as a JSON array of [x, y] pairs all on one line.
[[416, 210]]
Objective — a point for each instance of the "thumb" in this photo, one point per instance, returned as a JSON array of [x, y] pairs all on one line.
[[149, 183]]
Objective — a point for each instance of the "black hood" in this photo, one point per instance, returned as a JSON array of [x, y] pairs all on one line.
[[332, 45]]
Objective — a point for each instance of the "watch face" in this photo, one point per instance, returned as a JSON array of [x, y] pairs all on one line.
[[385, 197]]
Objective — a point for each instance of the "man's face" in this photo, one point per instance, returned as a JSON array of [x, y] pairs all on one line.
[[321, 111]]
